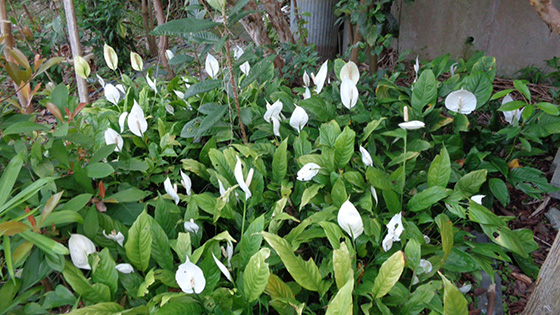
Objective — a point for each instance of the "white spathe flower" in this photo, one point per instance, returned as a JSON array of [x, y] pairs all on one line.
[[238, 172], [394, 231], [136, 121], [169, 108], [122, 120], [223, 268], [320, 78], [308, 171], [124, 268], [348, 93], [416, 67], [113, 137], [245, 67], [222, 189], [350, 71], [121, 89], [110, 57], [186, 182], [306, 80], [169, 54], [426, 239], [228, 252], [350, 220], [366, 157], [453, 68], [170, 190], [237, 52], [136, 61], [478, 198], [374, 194], [114, 236], [465, 288], [511, 114], [273, 110], [100, 80], [461, 101], [412, 125], [275, 126], [190, 226], [212, 66], [299, 118], [307, 93], [151, 83], [190, 278], [82, 66], [80, 247], [179, 94], [112, 94], [426, 266]]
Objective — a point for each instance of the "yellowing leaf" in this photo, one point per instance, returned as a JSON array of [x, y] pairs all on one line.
[[389, 274]]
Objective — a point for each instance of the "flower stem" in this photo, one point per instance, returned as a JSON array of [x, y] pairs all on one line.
[[243, 221], [404, 167]]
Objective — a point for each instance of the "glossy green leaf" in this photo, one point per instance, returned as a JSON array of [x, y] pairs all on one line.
[[523, 88], [25, 194], [161, 252], [251, 240], [499, 190], [413, 253], [9, 177], [308, 194], [99, 170], [480, 85], [440, 170], [342, 265], [548, 108], [378, 178], [342, 304], [426, 198], [470, 183], [139, 243], [183, 27], [24, 127], [45, 243], [338, 193], [106, 308], [104, 271], [446, 231], [131, 194], [280, 162], [256, 275], [454, 303], [344, 147], [95, 293], [425, 92], [389, 273]]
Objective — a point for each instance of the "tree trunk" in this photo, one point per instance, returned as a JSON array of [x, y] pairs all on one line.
[[255, 27], [278, 21], [74, 37], [147, 24], [158, 9], [548, 13], [545, 299]]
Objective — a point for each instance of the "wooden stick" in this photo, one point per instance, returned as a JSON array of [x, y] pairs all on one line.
[[74, 37]]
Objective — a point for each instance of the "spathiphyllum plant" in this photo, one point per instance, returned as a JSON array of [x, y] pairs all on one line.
[[194, 195]]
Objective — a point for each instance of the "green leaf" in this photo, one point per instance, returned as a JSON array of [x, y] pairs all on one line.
[[480, 85], [413, 253], [280, 162], [45, 243], [183, 27], [61, 218], [425, 199], [470, 183], [305, 273], [99, 170], [509, 106], [378, 178], [96, 293], [338, 193], [23, 127], [522, 88], [342, 265], [440, 170], [454, 303], [148, 281], [255, 277], [106, 308], [202, 87], [9, 177], [131, 194], [104, 271], [25, 194], [161, 252], [344, 147], [499, 190], [139, 243], [251, 240], [446, 231], [102, 153], [258, 71], [308, 194], [425, 92], [479, 214], [342, 304], [548, 108], [389, 273]]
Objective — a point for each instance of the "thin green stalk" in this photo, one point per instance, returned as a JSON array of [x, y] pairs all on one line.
[[244, 213], [404, 166]]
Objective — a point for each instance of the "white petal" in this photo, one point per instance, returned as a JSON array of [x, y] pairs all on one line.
[[122, 119], [461, 101], [249, 177], [387, 242], [299, 118], [350, 220], [124, 268], [478, 198], [170, 191], [111, 57], [80, 247], [238, 172], [121, 89], [179, 94], [307, 93], [350, 71], [169, 108], [113, 137], [190, 278], [151, 84], [136, 121], [245, 67], [348, 93], [169, 54], [366, 157], [212, 66], [100, 80], [306, 79], [187, 183], [117, 237], [453, 68], [374, 194], [321, 77], [273, 111], [223, 268], [229, 252], [136, 61], [190, 226], [425, 265], [465, 288], [509, 115], [276, 126], [237, 52], [221, 187], [412, 125], [308, 171], [112, 94], [426, 239], [416, 66], [395, 226]]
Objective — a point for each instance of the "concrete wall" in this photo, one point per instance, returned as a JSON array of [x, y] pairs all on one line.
[[510, 30]]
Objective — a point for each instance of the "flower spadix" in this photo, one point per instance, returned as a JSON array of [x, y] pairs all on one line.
[[366, 157], [350, 220], [190, 278], [308, 171], [321, 76], [243, 184], [112, 94], [510, 115], [136, 61], [299, 118], [110, 57], [212, 66], [82, 66], [394, 231], [170, 190], [114, 236], [348, 93], [350, 71], [80, 247], [136, 121], [461, 101], [113, 137]]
